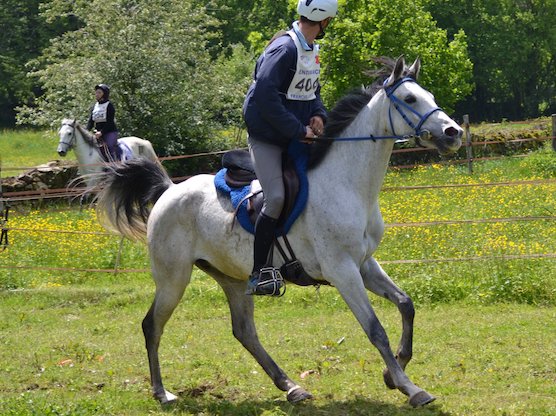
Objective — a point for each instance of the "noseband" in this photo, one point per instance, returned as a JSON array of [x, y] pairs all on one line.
[[399, 105]]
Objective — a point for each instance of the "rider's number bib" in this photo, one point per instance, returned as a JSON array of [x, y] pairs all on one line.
[[306, 79], [100, 112]]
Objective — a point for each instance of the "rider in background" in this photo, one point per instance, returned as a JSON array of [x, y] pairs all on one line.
[[101, 118], [283, 104]]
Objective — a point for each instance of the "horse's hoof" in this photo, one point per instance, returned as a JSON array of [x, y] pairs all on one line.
[[421, 399], [166, 398], [388, 379], [298, 394]]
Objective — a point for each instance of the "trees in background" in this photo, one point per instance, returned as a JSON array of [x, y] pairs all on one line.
[[179, 69], [24, 35], [371, 28], [153, 53], [512, 45]]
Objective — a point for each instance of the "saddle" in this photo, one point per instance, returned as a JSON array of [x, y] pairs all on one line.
[[239, 181], [240, 173]]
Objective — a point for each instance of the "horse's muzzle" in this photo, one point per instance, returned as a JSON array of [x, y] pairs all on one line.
[[62, 153]]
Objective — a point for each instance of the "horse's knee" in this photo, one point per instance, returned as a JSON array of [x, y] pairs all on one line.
[[406, 308]]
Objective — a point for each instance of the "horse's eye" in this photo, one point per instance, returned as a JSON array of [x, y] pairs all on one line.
[[410, 99]]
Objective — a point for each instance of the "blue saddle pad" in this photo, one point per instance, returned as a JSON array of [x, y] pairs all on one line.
[[299, 153]]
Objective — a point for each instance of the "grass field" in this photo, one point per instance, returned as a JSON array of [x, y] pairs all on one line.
[[26, 149], [71, 342]]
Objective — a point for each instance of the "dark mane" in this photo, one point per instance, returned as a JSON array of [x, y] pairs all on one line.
[[348, 107]]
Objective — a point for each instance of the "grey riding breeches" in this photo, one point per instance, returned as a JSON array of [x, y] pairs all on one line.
[[267, 160]]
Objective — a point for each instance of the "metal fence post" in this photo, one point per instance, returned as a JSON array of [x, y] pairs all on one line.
[[468, 146]]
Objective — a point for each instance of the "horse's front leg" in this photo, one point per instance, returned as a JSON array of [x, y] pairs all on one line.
[[376, 280], [243, 326], [347, 278]]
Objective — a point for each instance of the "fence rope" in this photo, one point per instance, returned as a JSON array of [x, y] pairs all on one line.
[[220, 152], [388, 225], [540, 256], [76, 192]]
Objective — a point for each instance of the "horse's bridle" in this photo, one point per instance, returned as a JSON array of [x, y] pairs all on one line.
[[72, 138], [399, 105]]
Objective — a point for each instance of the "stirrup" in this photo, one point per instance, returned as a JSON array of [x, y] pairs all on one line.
[[268, 282]]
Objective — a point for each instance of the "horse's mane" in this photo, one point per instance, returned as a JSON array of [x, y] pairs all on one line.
[[348, 107], [87, 135]]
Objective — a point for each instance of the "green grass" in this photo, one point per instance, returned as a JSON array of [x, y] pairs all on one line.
[[26, 149], [71, 342], [79, 351]]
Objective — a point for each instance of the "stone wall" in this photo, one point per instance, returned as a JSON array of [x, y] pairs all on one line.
[[52, 175]]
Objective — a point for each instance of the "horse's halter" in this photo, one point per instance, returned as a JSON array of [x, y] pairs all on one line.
[[71, 142], [398, 104]]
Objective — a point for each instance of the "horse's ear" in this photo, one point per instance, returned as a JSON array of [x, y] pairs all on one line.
[[414, 69], [397, 71]]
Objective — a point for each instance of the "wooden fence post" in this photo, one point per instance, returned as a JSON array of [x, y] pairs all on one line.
[[118, 256], [554, 132], [468, 146]]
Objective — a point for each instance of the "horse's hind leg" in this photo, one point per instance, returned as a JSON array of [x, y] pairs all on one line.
[[243, 326], [377, 281], [167, 296]]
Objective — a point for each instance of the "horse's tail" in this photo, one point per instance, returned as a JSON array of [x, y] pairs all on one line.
[[127, 193]]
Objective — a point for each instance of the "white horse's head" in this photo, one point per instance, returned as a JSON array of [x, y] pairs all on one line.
[[414, 112], [67, 136]]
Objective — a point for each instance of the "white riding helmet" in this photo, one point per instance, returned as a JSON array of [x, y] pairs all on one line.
[[317, 10]]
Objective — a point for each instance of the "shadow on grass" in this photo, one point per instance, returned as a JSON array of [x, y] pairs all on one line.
[[357, 406]]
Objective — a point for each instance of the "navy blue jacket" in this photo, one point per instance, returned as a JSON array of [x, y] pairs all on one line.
[[270, 117]]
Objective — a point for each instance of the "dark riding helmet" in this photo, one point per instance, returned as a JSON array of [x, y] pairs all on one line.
[[105, 89]]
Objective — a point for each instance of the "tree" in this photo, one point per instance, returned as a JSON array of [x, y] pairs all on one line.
[[153, 55], [370, 28], [248, 22], [23, 40], [513, 49]]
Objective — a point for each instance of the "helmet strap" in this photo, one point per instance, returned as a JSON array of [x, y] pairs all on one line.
[[321, 33]]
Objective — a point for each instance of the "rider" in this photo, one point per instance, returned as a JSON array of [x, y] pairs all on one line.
[[283, 104], [102, 120]]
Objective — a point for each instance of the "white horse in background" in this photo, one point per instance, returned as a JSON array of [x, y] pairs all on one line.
[[334, 238], [87, 150]]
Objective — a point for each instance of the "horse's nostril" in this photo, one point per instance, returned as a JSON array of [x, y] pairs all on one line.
[[452, 132]]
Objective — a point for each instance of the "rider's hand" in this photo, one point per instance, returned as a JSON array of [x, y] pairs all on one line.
[[98, 135], [317, 125], [309, 135]]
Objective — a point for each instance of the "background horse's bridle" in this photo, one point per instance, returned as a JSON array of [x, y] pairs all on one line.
[[85, 135], [72, 136]]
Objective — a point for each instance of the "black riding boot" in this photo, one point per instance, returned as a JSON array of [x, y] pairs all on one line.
[[264, 280]]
